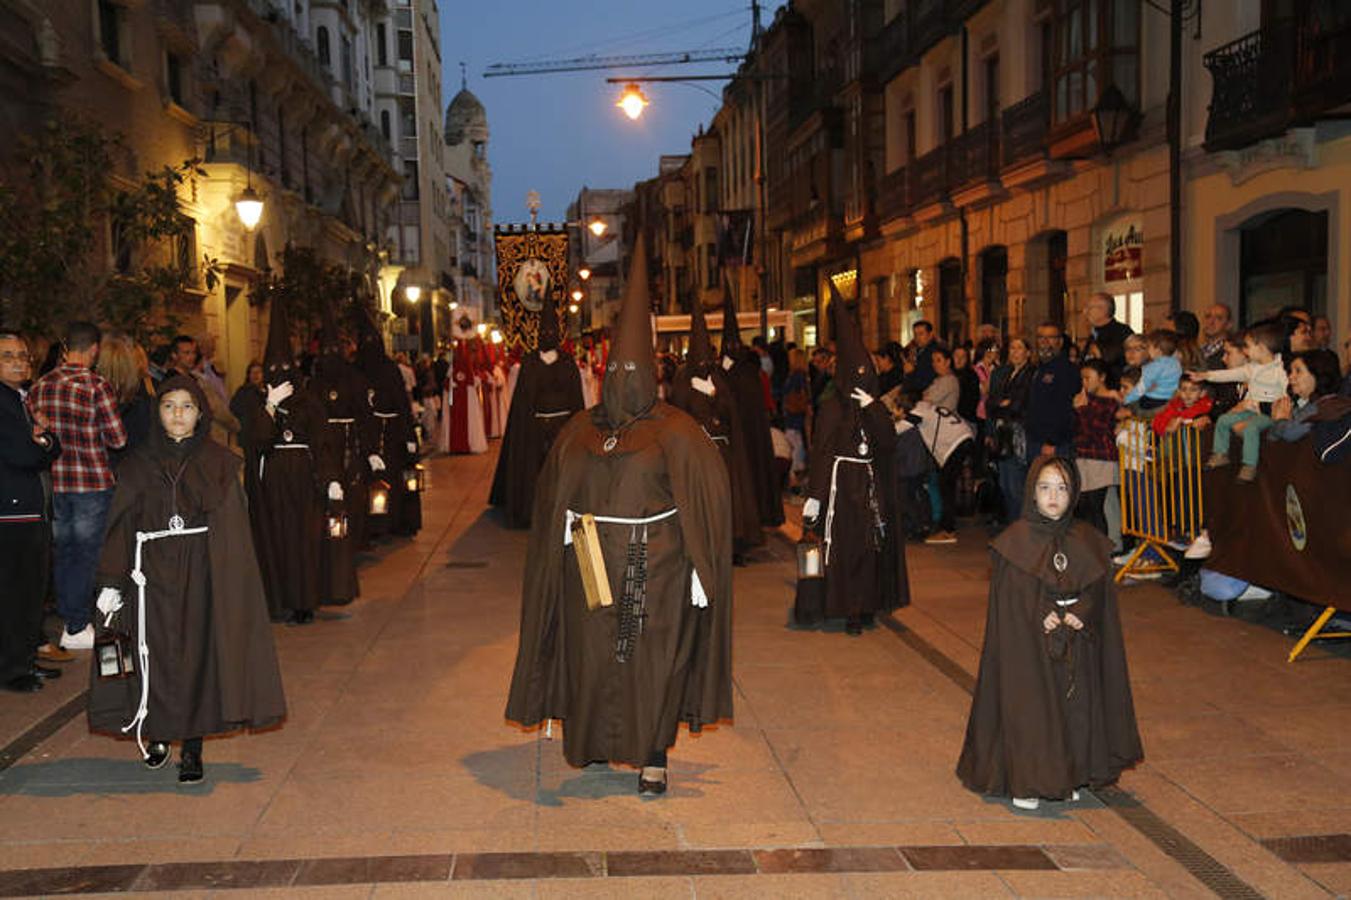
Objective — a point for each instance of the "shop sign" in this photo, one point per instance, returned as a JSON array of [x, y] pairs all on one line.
[[1123, 247]]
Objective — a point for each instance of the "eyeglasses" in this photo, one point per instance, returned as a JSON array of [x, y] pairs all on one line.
[[11, 357]]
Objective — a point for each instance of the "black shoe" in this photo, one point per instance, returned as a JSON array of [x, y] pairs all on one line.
[[190, 767], [46, 672], [301, 617], [157, 755], [651, 788], [24, 684], [853, 628]]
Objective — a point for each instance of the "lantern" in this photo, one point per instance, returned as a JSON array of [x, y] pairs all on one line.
[[810, 559], [379, 497], [114, 656], [336, 527], [415, 478]]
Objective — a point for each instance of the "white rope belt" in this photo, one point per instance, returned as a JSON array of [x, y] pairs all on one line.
[[381, 415], [143, 648], [1070, 602], [698, 597], [555, 415], [830, 505], [341, 421], [290, 446]]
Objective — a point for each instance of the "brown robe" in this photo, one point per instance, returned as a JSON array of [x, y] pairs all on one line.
[[1050, 713], [213, 665]]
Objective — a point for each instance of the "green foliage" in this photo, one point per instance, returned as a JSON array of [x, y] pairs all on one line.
[[51, 269], [306, 284]]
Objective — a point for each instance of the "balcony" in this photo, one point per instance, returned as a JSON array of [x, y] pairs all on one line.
[[815, 235], [818, 94], [895, 48], [1283, 75], [1025, 126], [931, 176], [893, 198], [975, 155], [929, 25]]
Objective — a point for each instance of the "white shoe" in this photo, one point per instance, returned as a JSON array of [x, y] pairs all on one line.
[[1074, 796], [1026, 802], [1122, 558], [1253, 592], [1200, 548], [80, 640]]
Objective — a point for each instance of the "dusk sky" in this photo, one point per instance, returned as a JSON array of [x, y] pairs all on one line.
[[557, 132]]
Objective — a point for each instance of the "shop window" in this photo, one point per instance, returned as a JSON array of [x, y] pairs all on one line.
[[1130, 308], [1096, 44]]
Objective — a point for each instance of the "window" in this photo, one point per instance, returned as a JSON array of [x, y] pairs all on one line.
[[381, 42], [480, 150], [321, 43], [412, 244], [173, 77], [407, 117], [710, 189], [711, 266], [946, 124], [384, 123], [410, 180], [281, 148], [346, 62], [1096, 44], [110, 31], [405, 51], [992, 89]]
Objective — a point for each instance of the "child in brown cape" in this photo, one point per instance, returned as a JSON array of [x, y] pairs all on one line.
[[1052, 709]]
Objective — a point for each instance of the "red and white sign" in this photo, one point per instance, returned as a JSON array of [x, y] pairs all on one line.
[[1123, 247]]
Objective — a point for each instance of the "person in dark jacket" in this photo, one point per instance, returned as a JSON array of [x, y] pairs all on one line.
[[1108, 333], [1050, 402], [27, 448], [1006, 407]]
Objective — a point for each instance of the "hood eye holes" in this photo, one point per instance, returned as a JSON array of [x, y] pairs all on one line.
[[612, 367], [630, 366]]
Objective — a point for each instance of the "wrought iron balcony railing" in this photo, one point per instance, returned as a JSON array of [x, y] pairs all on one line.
[[931, 176], [893, 198], [1025, 125], [975, 155]]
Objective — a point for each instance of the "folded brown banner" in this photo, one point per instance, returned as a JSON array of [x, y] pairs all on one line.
[[1288, 530]]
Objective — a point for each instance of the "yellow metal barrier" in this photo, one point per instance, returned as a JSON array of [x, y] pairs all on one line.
[[1161, 496]]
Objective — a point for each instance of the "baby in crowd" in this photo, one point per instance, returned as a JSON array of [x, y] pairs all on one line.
[[1160, 376], [1264, 377]]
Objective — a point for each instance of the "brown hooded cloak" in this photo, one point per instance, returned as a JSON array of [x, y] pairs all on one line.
[[742, 366], [213, 665], [1051, 712], [719, 418], [547, 395], [634, 457], [852, 478]]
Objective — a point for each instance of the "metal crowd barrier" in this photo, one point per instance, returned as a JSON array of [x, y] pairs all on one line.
[[1162, 501]]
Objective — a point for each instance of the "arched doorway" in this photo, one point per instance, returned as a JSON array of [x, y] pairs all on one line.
[[994, 289], [952, 317], [1283, 261]]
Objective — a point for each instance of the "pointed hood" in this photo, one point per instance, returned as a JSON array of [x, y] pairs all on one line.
[[731, 331], [279, 362], [854, 364], [330, 341], [548, 338], [630, 386], [370, 346], [701, 345]]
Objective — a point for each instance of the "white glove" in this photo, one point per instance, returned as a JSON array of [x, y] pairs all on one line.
[[108, 603], [862, 396], [703, 386], [728, 362], [811, 509], [334, 491], [549, 356], [377, 464], [412, 446], [275, 395]]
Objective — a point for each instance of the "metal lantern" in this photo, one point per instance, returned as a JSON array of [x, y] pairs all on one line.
[[415, 478], [811, 561], [114, 656], [379, 497], [336, 527]]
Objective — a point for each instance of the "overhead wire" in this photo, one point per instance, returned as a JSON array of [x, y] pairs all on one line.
[[627, 42]]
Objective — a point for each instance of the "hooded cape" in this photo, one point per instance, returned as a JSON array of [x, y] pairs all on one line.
[[630, 456], [860, 505], [395, 437], [748, 388], [722, 422], [213, 665], [1051, 712], [545, 397]]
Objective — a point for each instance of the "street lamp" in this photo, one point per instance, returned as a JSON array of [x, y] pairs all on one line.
[[584, 273], [632, 100], [1113, 119], [577, 295], [597, 226], [413, 293], [249, 208]]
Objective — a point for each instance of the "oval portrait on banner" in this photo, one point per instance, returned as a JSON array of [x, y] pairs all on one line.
[[1294, 518], [532, 284]]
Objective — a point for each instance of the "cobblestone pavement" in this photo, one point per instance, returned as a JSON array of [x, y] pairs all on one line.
[[396, 773]]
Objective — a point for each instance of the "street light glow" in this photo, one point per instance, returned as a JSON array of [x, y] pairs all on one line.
[[454, 305], [249, 208], [577, 295], [632, 100], [413, 293], [481, 328], [572, 308], [597, 227], [584, 274]]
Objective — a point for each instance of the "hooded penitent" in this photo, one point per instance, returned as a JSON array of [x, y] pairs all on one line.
[[742, 366], [212, 664], [1052, 711], [395, 438], [295, 464], [853, 484], [703, 389], [622, 677], [547, 394]]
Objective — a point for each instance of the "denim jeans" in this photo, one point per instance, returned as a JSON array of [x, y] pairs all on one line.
[[78, 523], [1252, 434], [1012, 476]]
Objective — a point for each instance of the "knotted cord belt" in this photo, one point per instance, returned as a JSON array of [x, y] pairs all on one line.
[[830, 504], [142, 647]]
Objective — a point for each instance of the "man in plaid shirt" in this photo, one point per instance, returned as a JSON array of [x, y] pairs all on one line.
[[82, 410]]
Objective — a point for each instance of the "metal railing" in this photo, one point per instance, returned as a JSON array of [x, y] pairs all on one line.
[[1162, 496], [1025, 125], [893, 196], [931, 176], [975, 154]]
